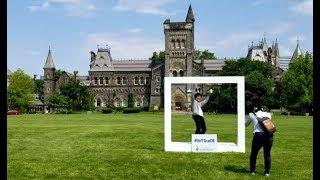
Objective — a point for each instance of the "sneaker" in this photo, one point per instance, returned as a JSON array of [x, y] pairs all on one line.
[[252, 173], [267, 174]]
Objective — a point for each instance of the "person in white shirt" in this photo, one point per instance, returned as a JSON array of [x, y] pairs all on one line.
[[260, 139], [197, 113]]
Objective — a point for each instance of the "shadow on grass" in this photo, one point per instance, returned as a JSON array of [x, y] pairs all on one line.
[[236, 169]]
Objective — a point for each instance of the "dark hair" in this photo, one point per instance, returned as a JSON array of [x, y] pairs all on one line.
[[256, 109], [197, 94]]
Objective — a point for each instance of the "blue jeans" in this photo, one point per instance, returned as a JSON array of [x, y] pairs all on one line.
[[261, 140]]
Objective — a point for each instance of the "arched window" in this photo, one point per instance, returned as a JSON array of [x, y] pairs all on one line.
[[138, 102], [141, 80], [107, 80], [124, 80], [101, 80], [136, 81], [157, 90], [99, 102], [181, 73], [183, 44], [172, 44], [147, 80], [174, 73], [96, 80], [177, 44], [118, 80]]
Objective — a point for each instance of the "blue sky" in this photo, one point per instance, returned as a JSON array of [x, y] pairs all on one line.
[[134, 28]]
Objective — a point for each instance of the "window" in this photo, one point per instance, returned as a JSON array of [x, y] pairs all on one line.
[[138, 103], [172, 44], [99, 102], [157, 90], [183, 44], [118, 104], [147, 80], [118, 80], [136, 81], [95, 80], [101, 80], [177, 44], [141, 80], [124, 80], [181, 73], [174, 73], [107, 80], [158, 78]]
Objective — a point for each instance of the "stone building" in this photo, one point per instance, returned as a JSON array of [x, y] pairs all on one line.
[[110, 81]]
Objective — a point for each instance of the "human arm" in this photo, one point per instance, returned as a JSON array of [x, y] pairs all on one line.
[[249, 120], [205, 101]]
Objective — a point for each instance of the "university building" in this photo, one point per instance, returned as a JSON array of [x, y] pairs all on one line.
[[110, 81]]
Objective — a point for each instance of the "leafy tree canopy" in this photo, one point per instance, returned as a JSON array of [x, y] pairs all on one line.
[[20, 91], [298, 84]]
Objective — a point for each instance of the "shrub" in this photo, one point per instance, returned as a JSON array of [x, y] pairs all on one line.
[[119, 109], [107, 111], [131, 110], [146, 108]]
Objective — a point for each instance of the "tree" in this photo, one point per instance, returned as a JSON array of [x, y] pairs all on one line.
[[20, 91], [259, 84], [158, 58], [206, 54], [298, 83], [130, 100], [38, 88], [57, 74], [56, 101], [78, 97]]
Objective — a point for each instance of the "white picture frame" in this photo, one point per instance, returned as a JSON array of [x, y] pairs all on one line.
[[221, 146]]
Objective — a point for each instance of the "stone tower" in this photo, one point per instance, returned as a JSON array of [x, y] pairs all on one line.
[[276, 55], [179, 49], [49, 70], [179, 46]]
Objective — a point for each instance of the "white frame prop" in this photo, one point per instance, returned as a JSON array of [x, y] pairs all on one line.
[[221, 146]]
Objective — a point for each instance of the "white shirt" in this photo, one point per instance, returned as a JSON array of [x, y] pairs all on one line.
[[256, 126], [196, 106]]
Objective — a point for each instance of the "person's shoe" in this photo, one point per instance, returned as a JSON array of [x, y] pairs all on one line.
[[267, 174], [252, 173]]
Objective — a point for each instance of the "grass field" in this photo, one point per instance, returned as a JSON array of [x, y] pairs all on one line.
[[119, 146]]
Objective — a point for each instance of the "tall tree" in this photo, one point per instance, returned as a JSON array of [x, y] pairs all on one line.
[[20, 91], [39, 86], [298, 83], [78, 96], [130, 100], [259, 84]]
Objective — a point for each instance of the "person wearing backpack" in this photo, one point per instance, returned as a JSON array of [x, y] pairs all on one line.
[[262, 137]]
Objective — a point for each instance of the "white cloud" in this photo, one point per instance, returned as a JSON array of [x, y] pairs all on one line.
[[43, 6], [126, 46], [80, 8], [305, 8], [279, 28], [143, 6], [135, 30]]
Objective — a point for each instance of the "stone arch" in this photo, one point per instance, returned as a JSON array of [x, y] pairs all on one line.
[[178, 99]]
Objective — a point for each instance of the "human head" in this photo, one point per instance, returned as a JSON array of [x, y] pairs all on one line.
[[198, 97], [256, 109]]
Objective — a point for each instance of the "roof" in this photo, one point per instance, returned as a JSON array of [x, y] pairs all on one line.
[[212, 65], [297, 52], [132, 65], [190, 16], [128, 65], [49, 61]]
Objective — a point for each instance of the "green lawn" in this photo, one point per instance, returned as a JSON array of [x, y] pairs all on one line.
[[122, 146]]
